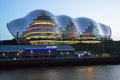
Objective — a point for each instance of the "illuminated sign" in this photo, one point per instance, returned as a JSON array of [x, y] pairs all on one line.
[[39, 49], [51, 46]]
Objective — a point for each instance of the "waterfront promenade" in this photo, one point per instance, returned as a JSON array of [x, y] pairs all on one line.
[[76, 61]]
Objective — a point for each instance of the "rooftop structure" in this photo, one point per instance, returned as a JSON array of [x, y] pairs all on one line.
[[30, 51]]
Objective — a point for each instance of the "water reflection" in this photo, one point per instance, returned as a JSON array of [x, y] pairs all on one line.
[[109, 72]]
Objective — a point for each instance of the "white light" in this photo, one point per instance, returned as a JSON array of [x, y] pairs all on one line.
[[18, 54], [3, 54]]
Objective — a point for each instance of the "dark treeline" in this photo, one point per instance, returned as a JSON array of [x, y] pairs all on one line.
[[8, 42], [111, 47]]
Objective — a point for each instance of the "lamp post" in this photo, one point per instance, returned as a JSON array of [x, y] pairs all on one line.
[[4, 55], [38, 54], [31, 52], [18, 55], [49, 51], [103, 46]]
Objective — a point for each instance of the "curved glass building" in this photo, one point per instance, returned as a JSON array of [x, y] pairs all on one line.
[[88, 28], [42, 27], [105, 31], [68, 28]]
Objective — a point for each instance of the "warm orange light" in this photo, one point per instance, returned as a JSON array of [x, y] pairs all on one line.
[[38, 22], [38, 33], [37, 37], [91, 42], [90, 69]]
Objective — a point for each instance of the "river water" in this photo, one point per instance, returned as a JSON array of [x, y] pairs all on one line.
[[103, 72]]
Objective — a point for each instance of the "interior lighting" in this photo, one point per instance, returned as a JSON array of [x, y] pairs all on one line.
[[43, 22], [47, 37], [40, 28], [38, 33]]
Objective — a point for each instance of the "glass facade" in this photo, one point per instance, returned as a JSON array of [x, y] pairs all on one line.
[[88, 28], [68, 28], [43, 27], [105, 31]]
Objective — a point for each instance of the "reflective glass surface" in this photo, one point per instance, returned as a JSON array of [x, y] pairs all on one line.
[[106, 30], [43, 25], [69, 29], [87, 27]]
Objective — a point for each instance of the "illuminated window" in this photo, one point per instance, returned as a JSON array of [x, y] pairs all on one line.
[[61, 53], [67, 53], [31, 33], [38, 22], [40, 28]]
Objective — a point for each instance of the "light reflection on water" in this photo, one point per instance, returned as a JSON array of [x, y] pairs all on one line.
[[108, 72]]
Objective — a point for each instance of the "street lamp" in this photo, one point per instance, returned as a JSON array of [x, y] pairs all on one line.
[[18, 54], [31, 52], [49, 51], [3, 54]]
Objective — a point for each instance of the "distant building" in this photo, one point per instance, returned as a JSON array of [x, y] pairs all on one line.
[[41, 27]]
